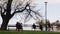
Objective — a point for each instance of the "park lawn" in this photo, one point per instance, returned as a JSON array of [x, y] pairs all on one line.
[[28, 32]]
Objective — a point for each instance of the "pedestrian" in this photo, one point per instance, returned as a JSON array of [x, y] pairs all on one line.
[[19, 26], [49, 26], [52, 27], [41, 25], [34, 26]]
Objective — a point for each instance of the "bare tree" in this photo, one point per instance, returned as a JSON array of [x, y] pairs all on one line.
[[6, 14]]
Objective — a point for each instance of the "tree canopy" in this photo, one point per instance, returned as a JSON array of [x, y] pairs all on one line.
[[8, 8]]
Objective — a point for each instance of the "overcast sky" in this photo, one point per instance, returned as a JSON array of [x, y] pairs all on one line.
[[53, 11]]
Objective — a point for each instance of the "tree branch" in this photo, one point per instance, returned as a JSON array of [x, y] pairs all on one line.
[[27, 15], [17, 11], [0, 9], [36, 13], [20, 10], [1, 12]]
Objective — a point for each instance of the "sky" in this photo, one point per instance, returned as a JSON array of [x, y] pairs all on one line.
[[53, 11]]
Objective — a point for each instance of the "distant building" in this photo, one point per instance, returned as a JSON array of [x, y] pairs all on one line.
[[57, 24]]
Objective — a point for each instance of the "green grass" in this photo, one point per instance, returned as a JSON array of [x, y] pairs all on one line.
[[28, 32]]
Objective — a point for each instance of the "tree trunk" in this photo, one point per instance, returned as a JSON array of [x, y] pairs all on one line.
[[6, 17], [4, 24]]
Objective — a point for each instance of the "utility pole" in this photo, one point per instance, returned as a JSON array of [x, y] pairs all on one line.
[[46, 14]]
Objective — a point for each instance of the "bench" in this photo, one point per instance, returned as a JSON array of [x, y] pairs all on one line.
[[10, 26]]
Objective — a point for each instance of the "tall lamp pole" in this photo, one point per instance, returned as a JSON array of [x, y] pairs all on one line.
[[46, 13]]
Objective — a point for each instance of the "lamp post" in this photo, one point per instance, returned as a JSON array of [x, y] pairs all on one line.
[[46, 14]]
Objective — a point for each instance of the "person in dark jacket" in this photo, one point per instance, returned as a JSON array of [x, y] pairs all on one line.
[[19, 26], [34, 26], [49, 26], [40, 27]]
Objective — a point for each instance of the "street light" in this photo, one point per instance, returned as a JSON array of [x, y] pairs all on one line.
[[46, 10], [46, 13]]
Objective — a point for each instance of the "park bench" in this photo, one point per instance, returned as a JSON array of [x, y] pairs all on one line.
[[10, 26]]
